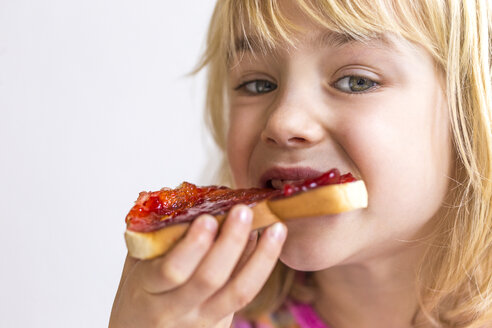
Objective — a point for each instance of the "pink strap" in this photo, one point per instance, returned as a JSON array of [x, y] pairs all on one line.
[[305, 315]]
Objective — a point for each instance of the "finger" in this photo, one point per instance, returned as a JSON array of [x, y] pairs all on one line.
[[247, 284], [176, 267], [226, 322], [130, 263], [248, 250], [218, 264]]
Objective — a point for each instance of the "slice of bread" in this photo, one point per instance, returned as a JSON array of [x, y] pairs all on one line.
[[325, 200], [331, 199]]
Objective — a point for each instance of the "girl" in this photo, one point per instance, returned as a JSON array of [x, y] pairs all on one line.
[[396, 92]]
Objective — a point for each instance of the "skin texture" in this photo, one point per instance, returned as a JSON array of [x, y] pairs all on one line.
[[294, 108]]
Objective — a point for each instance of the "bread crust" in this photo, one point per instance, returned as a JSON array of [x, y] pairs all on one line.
[[147, 245], [331, 199], [324, 200]]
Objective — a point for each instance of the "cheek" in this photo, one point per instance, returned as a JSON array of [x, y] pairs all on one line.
[[404, 155], [241, 138], [405, 160]]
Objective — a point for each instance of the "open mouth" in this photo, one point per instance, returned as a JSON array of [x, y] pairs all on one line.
[[293, 181], [278, 177], [279, 184]]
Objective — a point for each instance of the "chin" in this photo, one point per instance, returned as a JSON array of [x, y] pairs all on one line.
[[303, 264], [320, 243], [309, 256]]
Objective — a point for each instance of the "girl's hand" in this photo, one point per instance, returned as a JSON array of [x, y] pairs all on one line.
[[200, 282]]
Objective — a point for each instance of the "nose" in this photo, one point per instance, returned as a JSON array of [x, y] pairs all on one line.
[[291, 123]]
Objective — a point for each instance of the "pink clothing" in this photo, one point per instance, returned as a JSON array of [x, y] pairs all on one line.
[[291, 315]]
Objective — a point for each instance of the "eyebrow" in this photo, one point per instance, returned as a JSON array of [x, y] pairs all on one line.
[[325, 39], [332, 39]]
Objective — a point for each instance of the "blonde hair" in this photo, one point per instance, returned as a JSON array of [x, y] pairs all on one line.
[[455, 277]]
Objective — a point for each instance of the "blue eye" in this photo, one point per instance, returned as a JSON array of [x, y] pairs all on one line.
[[354, 84], [257, 86]]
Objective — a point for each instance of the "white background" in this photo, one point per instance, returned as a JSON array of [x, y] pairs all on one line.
[[95, 106]]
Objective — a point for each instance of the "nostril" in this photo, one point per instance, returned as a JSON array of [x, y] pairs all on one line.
[[297, 140]]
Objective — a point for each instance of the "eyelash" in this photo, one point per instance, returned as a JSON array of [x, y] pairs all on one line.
[[244, 84], [374, 85]]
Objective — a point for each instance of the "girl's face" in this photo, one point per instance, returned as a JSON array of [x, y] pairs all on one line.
[[375, 109]]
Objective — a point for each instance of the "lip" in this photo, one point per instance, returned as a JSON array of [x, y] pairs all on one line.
[[291, 173]]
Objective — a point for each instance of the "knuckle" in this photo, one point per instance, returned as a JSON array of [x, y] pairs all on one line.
[[242, 295], [209, 280], [196, 318], [172, 274]]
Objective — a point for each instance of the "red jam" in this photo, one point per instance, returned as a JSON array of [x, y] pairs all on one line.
[[157, 209], [331, 177]]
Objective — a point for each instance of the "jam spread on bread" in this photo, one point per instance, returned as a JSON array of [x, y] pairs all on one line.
[[157, 209], [331, 177]]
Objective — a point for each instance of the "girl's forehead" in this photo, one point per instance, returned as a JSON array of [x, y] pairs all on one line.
[[290, 26], [320, 39], [272, 25]]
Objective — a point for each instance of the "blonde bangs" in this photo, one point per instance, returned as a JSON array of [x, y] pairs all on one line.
[[262, 25]]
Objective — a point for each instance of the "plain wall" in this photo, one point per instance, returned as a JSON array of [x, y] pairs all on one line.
[[94, 107]]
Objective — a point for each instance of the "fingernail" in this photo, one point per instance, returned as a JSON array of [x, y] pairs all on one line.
[[244, 215], [277, 231], [208, 223]]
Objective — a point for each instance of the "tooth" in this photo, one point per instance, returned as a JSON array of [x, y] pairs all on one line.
[[279, 183], [291, 181]]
